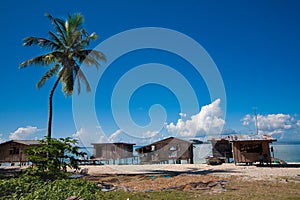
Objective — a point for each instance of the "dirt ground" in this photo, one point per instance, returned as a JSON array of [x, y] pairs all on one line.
[[158, 182], [188, 177]]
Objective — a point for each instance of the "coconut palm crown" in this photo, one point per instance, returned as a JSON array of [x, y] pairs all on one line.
[[68, 50]]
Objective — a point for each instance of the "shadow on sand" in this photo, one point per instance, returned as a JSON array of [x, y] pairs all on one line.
[[287, 165], [192, 171], [10, 171]]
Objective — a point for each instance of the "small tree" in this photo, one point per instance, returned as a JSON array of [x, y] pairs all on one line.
[[55, 155]]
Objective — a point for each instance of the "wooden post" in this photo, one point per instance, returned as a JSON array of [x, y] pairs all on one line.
[[191, 154]]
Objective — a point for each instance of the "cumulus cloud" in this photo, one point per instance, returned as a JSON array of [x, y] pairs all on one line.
[[22, 133], [208, 121], [246, 120], [116, 136], [182, 114], [229, 131], [87, 137], [120, 136], [1, 140], [275, 124]]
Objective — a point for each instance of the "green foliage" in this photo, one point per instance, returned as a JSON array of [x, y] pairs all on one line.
[[67, 46], [34, 187], [54, 155]]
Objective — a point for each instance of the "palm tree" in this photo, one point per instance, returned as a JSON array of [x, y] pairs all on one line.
[[68, 49]]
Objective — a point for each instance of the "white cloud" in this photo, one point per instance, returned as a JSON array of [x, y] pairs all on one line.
[[86, 137], [79, 133], [273, 122], [208, 121], [150, 134], [284, 125], [120, 136], [1, 139], [28, 132], [182, 114], [116, 136], [246, 120]]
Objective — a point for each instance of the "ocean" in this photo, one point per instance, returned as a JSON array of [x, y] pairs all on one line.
[[287, 152]]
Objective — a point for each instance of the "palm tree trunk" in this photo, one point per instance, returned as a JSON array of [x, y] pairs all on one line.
[[50, 107]]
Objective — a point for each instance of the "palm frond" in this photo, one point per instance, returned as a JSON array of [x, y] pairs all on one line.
[[80, 76], [68, 81], [51, 72], [75, 39], [75, 22], [88, 60], [42, 60], [59, 26], [78, 85], [85, 41], [98, 55], [42, 42], [57, 40], [68, 42]]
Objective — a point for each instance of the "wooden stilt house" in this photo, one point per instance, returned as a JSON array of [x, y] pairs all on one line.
[[222, 149], [252, 150], [113, 152], [247, 149], [13, 151], [164, 151]]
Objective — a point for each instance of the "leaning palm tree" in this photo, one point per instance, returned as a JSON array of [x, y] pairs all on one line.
[[68, 50]]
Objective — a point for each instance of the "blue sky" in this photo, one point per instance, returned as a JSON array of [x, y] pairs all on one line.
[[254, 44]]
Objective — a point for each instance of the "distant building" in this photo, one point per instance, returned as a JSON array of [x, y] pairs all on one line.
[[247, 149], [114, 152], [163, 151], [222, 149], [13, 151], [251, 150]]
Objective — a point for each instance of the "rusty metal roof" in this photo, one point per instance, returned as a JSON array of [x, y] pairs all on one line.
[[247, 137], [169, 139], [25, 142]]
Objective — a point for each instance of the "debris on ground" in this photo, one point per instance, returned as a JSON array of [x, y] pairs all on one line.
[[150, 183], [74, 198]]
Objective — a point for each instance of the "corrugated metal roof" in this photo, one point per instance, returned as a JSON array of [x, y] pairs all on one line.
[[247, 137], [25, 142], [166, 139], [28, 142], [115, 143]]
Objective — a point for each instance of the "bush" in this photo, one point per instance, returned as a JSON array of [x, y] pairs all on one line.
[[54, 155], [34, 187]]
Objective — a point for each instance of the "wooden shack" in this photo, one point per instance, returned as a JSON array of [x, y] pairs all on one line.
[[222, 149], [250, 151], [113, 152], [13, 151], [164, 151]]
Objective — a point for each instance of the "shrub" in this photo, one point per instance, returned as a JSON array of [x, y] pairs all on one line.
[[54, 155], [34, 187]]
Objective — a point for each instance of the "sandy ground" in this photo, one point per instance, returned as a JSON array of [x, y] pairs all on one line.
[[292, 170]]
